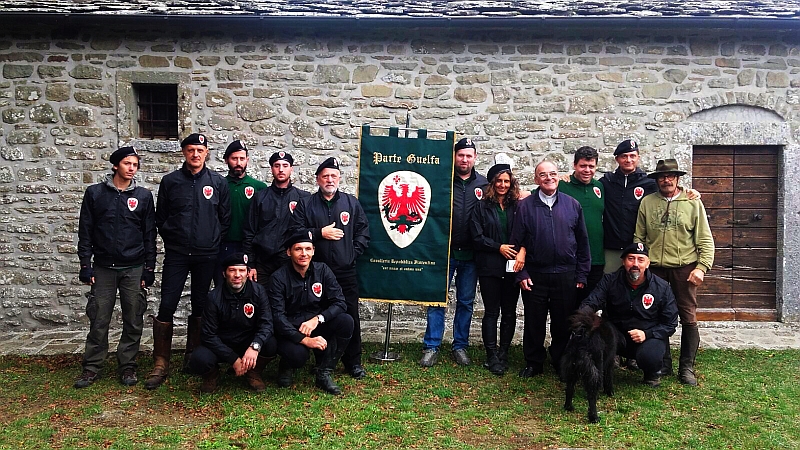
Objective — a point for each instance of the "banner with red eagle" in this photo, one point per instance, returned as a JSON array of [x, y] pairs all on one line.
[[405, 187]]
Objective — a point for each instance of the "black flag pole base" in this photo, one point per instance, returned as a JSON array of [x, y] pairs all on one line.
[[386, 356]]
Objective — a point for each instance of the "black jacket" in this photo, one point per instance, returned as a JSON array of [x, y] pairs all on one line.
[[465, 197], [225, 321], [314, 213], [193, 212], [622, 205], [294, 300], [269, 221], [611, 295], [487, 237], [117, 227]]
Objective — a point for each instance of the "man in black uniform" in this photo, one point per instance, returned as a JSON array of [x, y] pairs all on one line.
[[237, 328], [310, 314], [341, 233], [642, 308], [117, 226], [269, 220], [192, 215]]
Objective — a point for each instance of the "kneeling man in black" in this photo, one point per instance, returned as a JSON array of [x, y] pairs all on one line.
[[642, 308], [310, 314], [237, 329]]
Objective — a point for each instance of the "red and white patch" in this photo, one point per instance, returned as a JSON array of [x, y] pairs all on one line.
[[597, 192], [244, 258], [316, 288], [208, 192], [281, 155], [640, 246], [479, 193], [638, 192], [647, 301], [292, 206], [201, 139], [249, 191], [344, 217], [249, 310], [133, 203]]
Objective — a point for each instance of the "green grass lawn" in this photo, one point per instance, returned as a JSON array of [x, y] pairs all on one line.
[[746, 400]]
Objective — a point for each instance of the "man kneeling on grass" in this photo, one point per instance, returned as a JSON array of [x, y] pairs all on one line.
[[310, 314], [237, 329]]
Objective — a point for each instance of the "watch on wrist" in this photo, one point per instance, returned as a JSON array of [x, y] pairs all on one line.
[[321, 318], [256, 346]]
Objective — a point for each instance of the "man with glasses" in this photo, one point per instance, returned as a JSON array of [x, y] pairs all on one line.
[[676, 230], [553, 262]]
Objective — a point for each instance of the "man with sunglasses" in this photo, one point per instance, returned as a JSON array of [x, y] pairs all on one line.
[[677, 233]]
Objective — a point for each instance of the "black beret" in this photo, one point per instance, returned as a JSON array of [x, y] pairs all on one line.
[[330, 163], [121, 154], [277, 156], [234, 259], [496, 169], [637, 248], [300, 236], [234, 146], [464, 143], [626, 146], [195, 139]]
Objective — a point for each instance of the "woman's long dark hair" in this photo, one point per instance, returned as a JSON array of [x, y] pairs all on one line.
[[511, 198]]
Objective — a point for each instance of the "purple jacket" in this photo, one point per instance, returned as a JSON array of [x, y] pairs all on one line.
[[555, 239]]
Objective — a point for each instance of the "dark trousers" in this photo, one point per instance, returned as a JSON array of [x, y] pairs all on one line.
[[352, 355], [555, 293], [500, 296], [266, 267], [203, 359], [100, 307], [594, 277], [226, 249], [173, 278], [648, 354], [295, 354]]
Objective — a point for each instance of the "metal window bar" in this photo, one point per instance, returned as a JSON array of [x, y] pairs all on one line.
[[158, 111]]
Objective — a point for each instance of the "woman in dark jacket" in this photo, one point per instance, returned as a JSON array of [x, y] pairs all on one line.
[[491, 230]]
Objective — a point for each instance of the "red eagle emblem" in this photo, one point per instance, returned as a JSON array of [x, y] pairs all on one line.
[[638, 192], [133, 203], [345, 217], [316, 288], [597, 192], [292, 206], [249, 191], [647, 301], [249, 310], [403, 207], [479, 193], [208, 192]]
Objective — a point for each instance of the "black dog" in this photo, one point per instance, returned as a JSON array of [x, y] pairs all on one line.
[[589, 357]]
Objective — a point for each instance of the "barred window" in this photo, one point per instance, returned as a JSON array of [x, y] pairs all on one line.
[[158, 111]]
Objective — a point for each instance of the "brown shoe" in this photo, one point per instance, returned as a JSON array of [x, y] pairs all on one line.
[[162, 348], [254, 380], [210, 381]]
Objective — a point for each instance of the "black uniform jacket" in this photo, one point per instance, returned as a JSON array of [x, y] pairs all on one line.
[[269, 221], [193, 212], [658, 320], [487, 237], [465, 197], [226, 323], [314, 213], [117, 227], [296, 299], [623, 195]]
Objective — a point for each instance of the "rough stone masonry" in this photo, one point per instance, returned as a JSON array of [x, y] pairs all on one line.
[[67, 100]]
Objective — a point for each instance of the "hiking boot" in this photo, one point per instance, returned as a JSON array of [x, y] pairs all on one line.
[[357, 371], [210, 381], [253, 375], [687, 376], [652, 380], [530, 371], [461, 358], [86, 379], [128, 377], [429, 357], [493, 362]]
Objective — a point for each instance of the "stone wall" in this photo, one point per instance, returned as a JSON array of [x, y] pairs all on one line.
[[66, 104]]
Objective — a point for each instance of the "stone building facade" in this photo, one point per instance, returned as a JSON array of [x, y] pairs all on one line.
[[68, 99]]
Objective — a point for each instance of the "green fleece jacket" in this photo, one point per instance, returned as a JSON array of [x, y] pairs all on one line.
[[592, 199], [676, 232]]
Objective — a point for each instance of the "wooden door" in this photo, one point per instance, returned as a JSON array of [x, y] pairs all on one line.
[[739, 187]]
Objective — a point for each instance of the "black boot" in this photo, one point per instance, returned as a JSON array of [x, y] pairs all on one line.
[[193, 328], [285, 374], [162, 347], [493, 362], [666, 364], [502, 356], [507, 328], [690, 342], [325, 365]]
